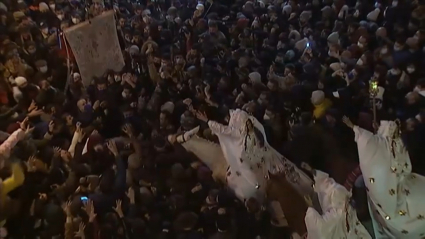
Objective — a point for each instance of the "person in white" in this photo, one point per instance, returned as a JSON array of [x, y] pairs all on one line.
[[395, 193], [339, 218], [250, 157]]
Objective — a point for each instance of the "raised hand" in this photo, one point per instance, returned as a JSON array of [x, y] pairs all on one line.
[[112, 146], [65, 155], [128, 130], [66, 207], [80, 132], [32, 106], [35, 112], [80, 232], [347, 122], [24, 124], [201, 116], [89, 209], [96, 105], [131, 195], [51, 126], [187, 102], [57, 151], [30, 163], [118, 208]]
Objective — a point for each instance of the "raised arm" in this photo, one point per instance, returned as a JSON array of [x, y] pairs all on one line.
[[10, 142], [121, 175], [77, 138], [216, 127], [15, 180]]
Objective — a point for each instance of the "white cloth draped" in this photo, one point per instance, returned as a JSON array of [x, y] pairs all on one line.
[[337, 212], [395, 193]]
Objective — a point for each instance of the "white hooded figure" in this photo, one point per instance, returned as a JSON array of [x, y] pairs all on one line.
[[250, 157], [395, 193], [339, 218]]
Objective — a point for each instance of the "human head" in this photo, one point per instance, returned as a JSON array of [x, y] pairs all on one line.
[[81, 104], [249, 125], [41, 66]]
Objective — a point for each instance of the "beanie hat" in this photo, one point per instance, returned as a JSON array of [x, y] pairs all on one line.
[[317, 97], [333, 38], [42, 6], [255, 77], [168, 107]]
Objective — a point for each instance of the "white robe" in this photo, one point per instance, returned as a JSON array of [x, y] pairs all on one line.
[[332, 224], [396, 195], [248, 168]]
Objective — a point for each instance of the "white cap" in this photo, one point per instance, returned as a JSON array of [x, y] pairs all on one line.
[[317, 97], [20, 81], [255, 77], [168, 106], [200, 7], [133, 50], [373, 15], [42, 6], [146, 12], [76, 74]]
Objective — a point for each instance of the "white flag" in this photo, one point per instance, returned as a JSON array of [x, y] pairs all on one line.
[[95, 46]]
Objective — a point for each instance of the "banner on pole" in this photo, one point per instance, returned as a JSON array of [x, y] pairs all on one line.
[[95, 46]]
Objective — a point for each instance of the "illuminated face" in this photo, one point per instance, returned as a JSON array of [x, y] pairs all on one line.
[[81, 104]]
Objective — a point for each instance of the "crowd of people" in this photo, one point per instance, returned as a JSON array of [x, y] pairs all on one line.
[[95, 160]]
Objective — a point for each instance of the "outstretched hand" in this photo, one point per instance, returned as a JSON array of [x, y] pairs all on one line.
[[347, 122], [112, 147], [128, 130], [80, 232], [201, 116], [118, 208], [89, 209]]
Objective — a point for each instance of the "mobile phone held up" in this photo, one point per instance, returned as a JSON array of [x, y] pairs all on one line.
[[84, 199]]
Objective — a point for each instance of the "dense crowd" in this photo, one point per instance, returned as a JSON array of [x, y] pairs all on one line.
[[94, 161]]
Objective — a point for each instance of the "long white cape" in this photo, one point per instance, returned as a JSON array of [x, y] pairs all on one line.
[[396, 195], [338, 219]]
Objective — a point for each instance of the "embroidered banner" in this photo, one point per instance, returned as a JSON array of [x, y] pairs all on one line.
[[95, 46]]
